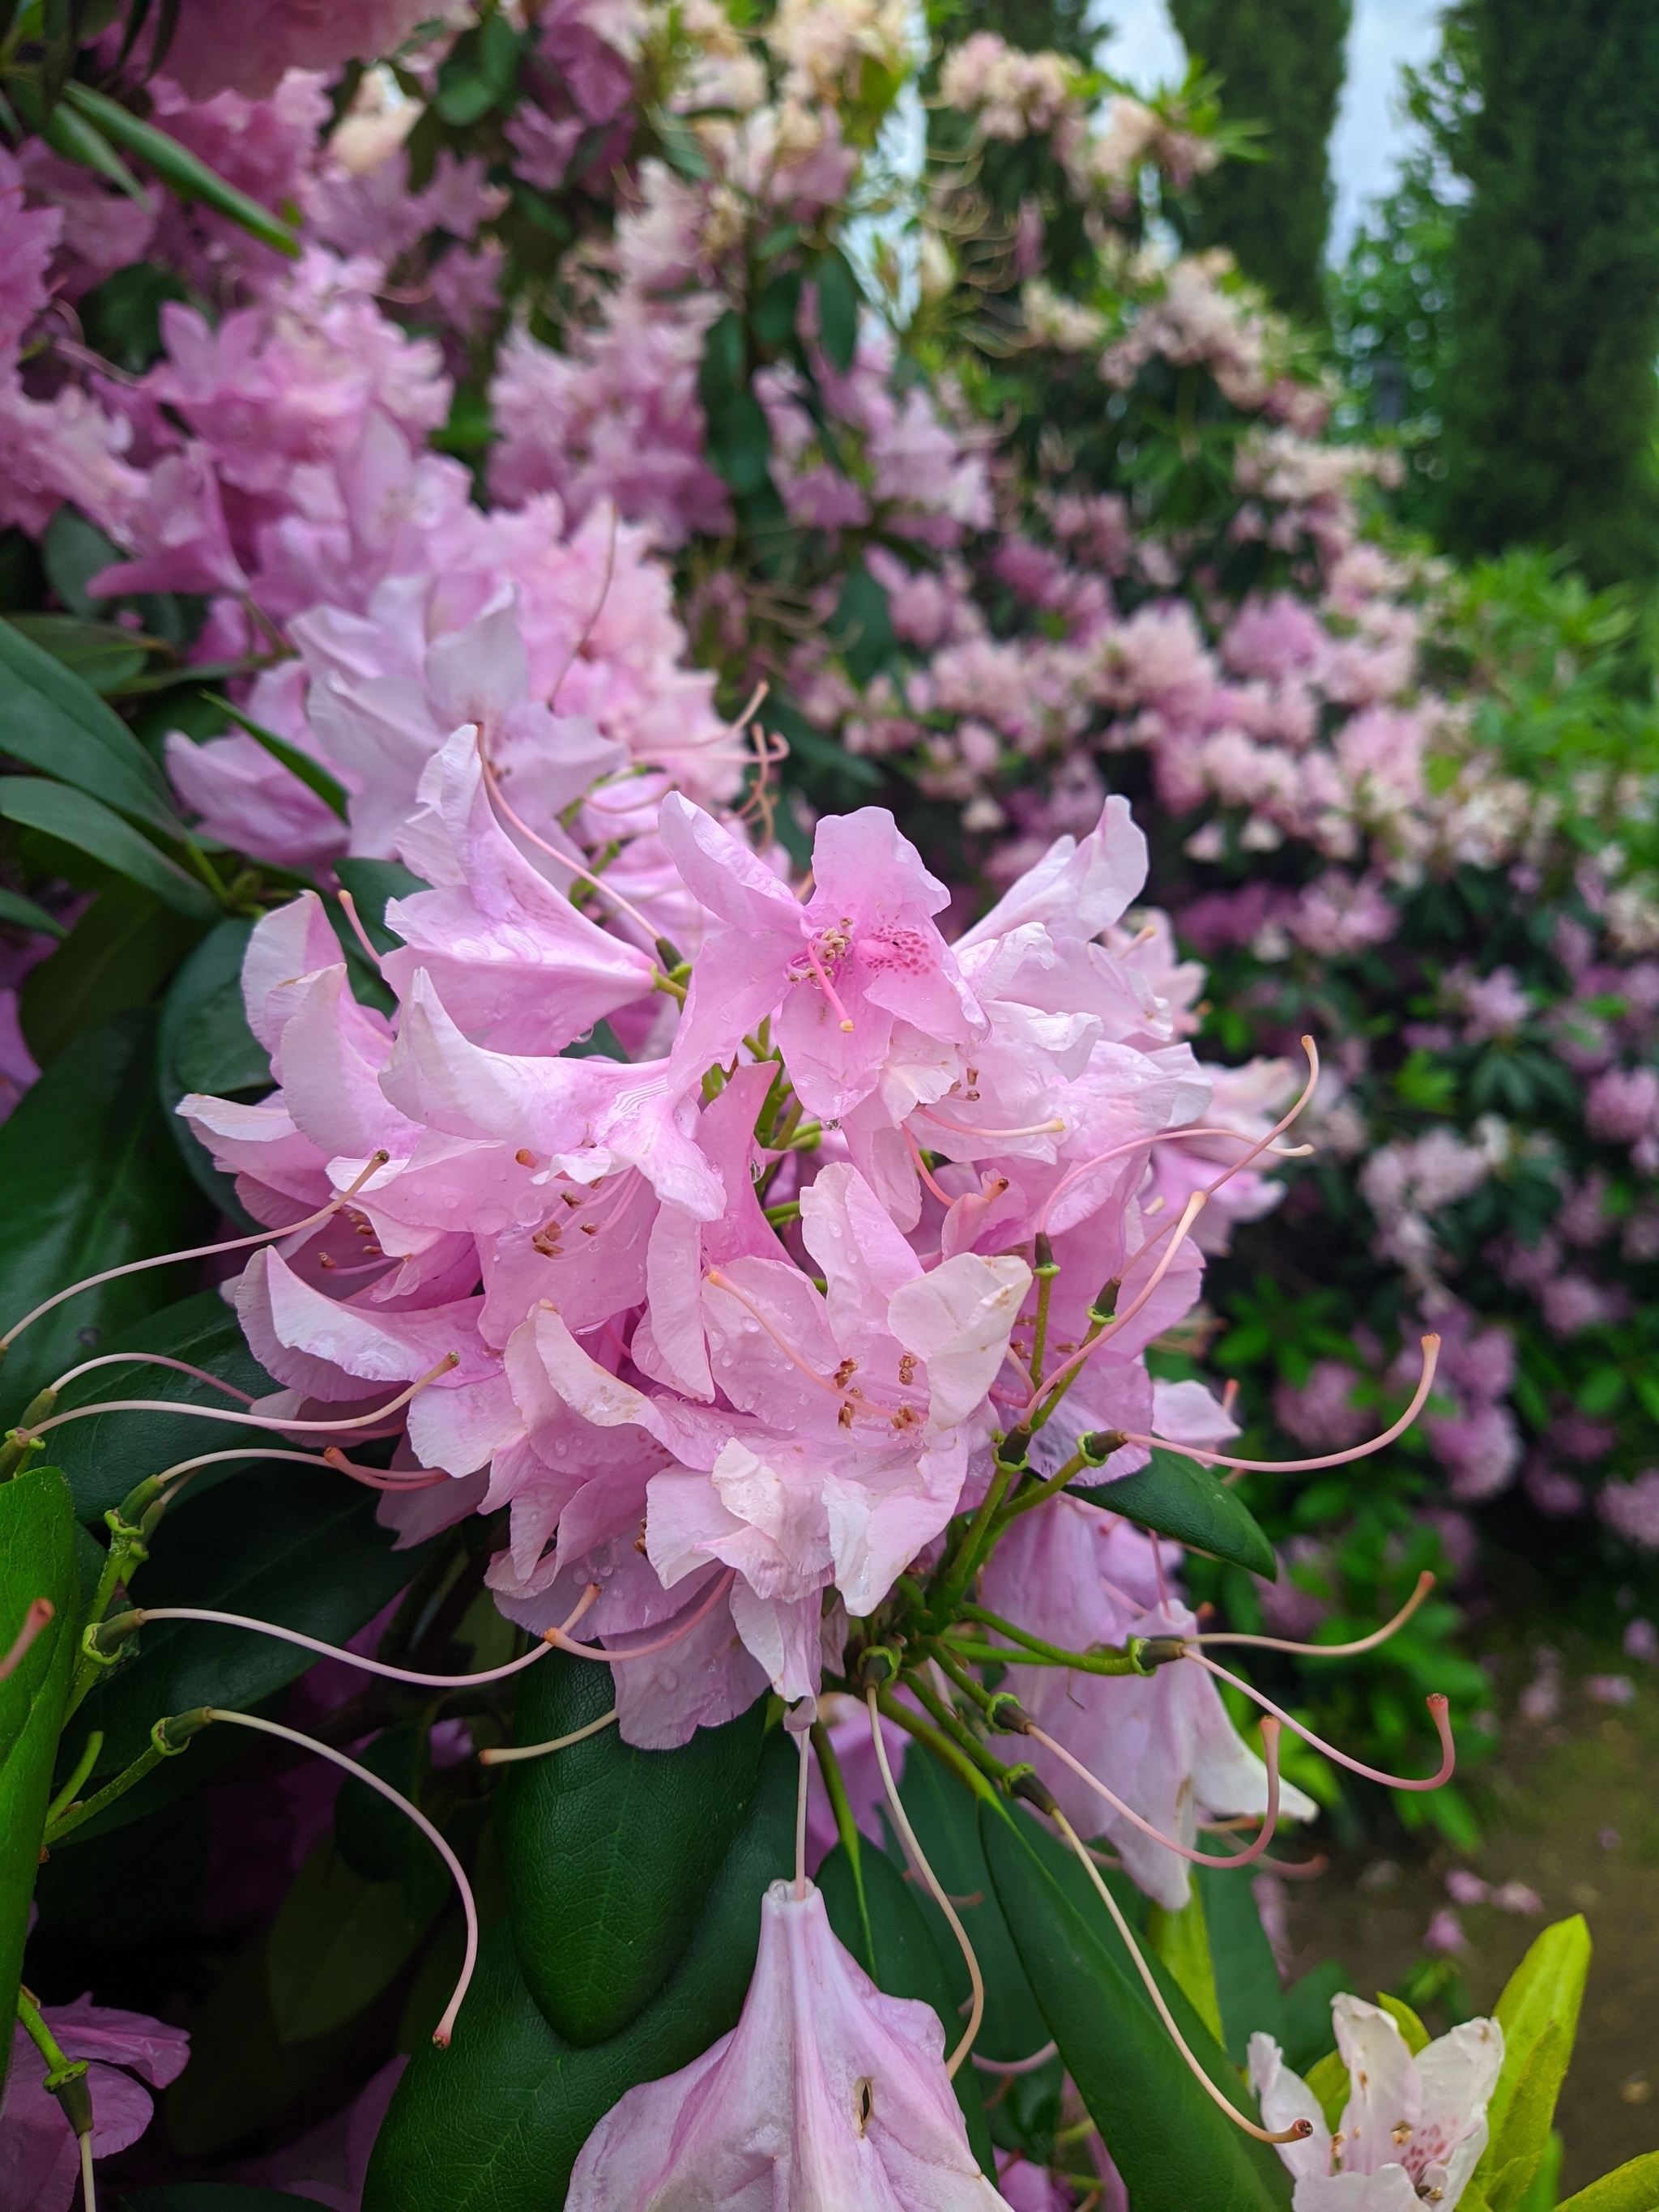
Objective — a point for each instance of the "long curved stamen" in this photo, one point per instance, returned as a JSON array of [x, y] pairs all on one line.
[[40, 1614], [922, 1170], [1052, 1127], [1436, 1701], [722, 1585], [506, 1752], [241, 1420], [1425, 1585], [1425, 1383], [935, 1890], [446, 2027], [1063, 1374], [149, 1359], [88, 2185], [1018, 2065], [717, 1281], [826, 986], [1298, 2130], [372, 1477], [349, 906], [1246, 1857], [376, 1162], [591, 624], [1159, 1137], [143, 1615], [584, 874]]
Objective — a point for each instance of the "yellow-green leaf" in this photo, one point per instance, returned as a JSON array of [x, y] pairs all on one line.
[[1632, 2188], [1547, 1985], [1417, 2036], [1182, 1940]]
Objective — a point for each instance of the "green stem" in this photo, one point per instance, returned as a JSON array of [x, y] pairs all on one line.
[[960, 1571], [1038, 1493], [161, 1745], [1106, 1662], [940, 1745], [39, 2034], [1045, 1270], [836, 1785], [66, 2078], [83, 1766]]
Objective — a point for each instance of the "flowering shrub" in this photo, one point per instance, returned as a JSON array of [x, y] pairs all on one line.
[[687, 1276]]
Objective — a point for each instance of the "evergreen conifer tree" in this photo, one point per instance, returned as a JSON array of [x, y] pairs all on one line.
[[1281, 62], [1550, 397]]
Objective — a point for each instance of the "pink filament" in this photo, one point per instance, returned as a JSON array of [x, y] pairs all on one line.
[[371, 1477], [1054, 1127], [1425, 1585], [1018, 2065], [1425, 1383], [1246, 1857], [446, 2027], [366, 1666], [1436, 1702], [244, 1420], [357, 929], [40, 1614], [943, 1196], [826, 986], [1189, 1212], [577, 868], [377, 1161], [556, 1636], [1157, 1137], [151, 1359]]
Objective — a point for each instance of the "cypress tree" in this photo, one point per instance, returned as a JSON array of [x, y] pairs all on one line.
[[1550, 404], [1281, 64]]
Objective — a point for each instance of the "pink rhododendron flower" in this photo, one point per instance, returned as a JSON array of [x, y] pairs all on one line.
[[825, 2092], [39, 2158]]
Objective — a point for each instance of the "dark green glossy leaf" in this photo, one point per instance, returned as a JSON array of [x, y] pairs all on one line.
[[54, 722], [314, 776], [380, 1843], [294, 1544], [1178, 1498], [204, 1036], [340, 1939], [838, 309], [37, 1560], [122, 318], [872, 1910], [74, 552], [1246, 1978], [91, 1180], [91, 827], [177, 168], [494, 2124], [1175, 2151], [23, 914], [863, 625], [98, 653], [479, 72], [372, 885], [740, 443], [608, 1849], [107, 1455], [119, 955]]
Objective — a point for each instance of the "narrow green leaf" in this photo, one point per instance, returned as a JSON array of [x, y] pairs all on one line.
[[1246, 1978], [340, 1939], [78, 141], [608, 1848], [495, 2122], [1183, 1942], [91, 1180], [51, 721], [1310, 2031], [862, 625], [24, 913], [1513, 2155], [314, 776], [119, 955], [99, 653], [177, 168], [1632, 2188], [1175, 2151], [1178, 1498], [88, 825], [1547, 1985], [37, 1560], [373, 885], [1330, 2084]]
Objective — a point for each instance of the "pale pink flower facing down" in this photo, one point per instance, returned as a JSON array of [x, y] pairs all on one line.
[[1412, 2130], [40, 2160], [1445, 1934], [1465, 1888], [826, 2094]]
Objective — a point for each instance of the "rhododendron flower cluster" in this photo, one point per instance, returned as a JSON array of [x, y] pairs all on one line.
[[734, 1324]]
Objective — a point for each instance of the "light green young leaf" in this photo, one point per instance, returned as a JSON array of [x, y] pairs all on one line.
[[91, 827], [1417, 2036], [1547, 1985], [1330, 2082], [1512, 2157], [1182, 1940], [1632, 2188]]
